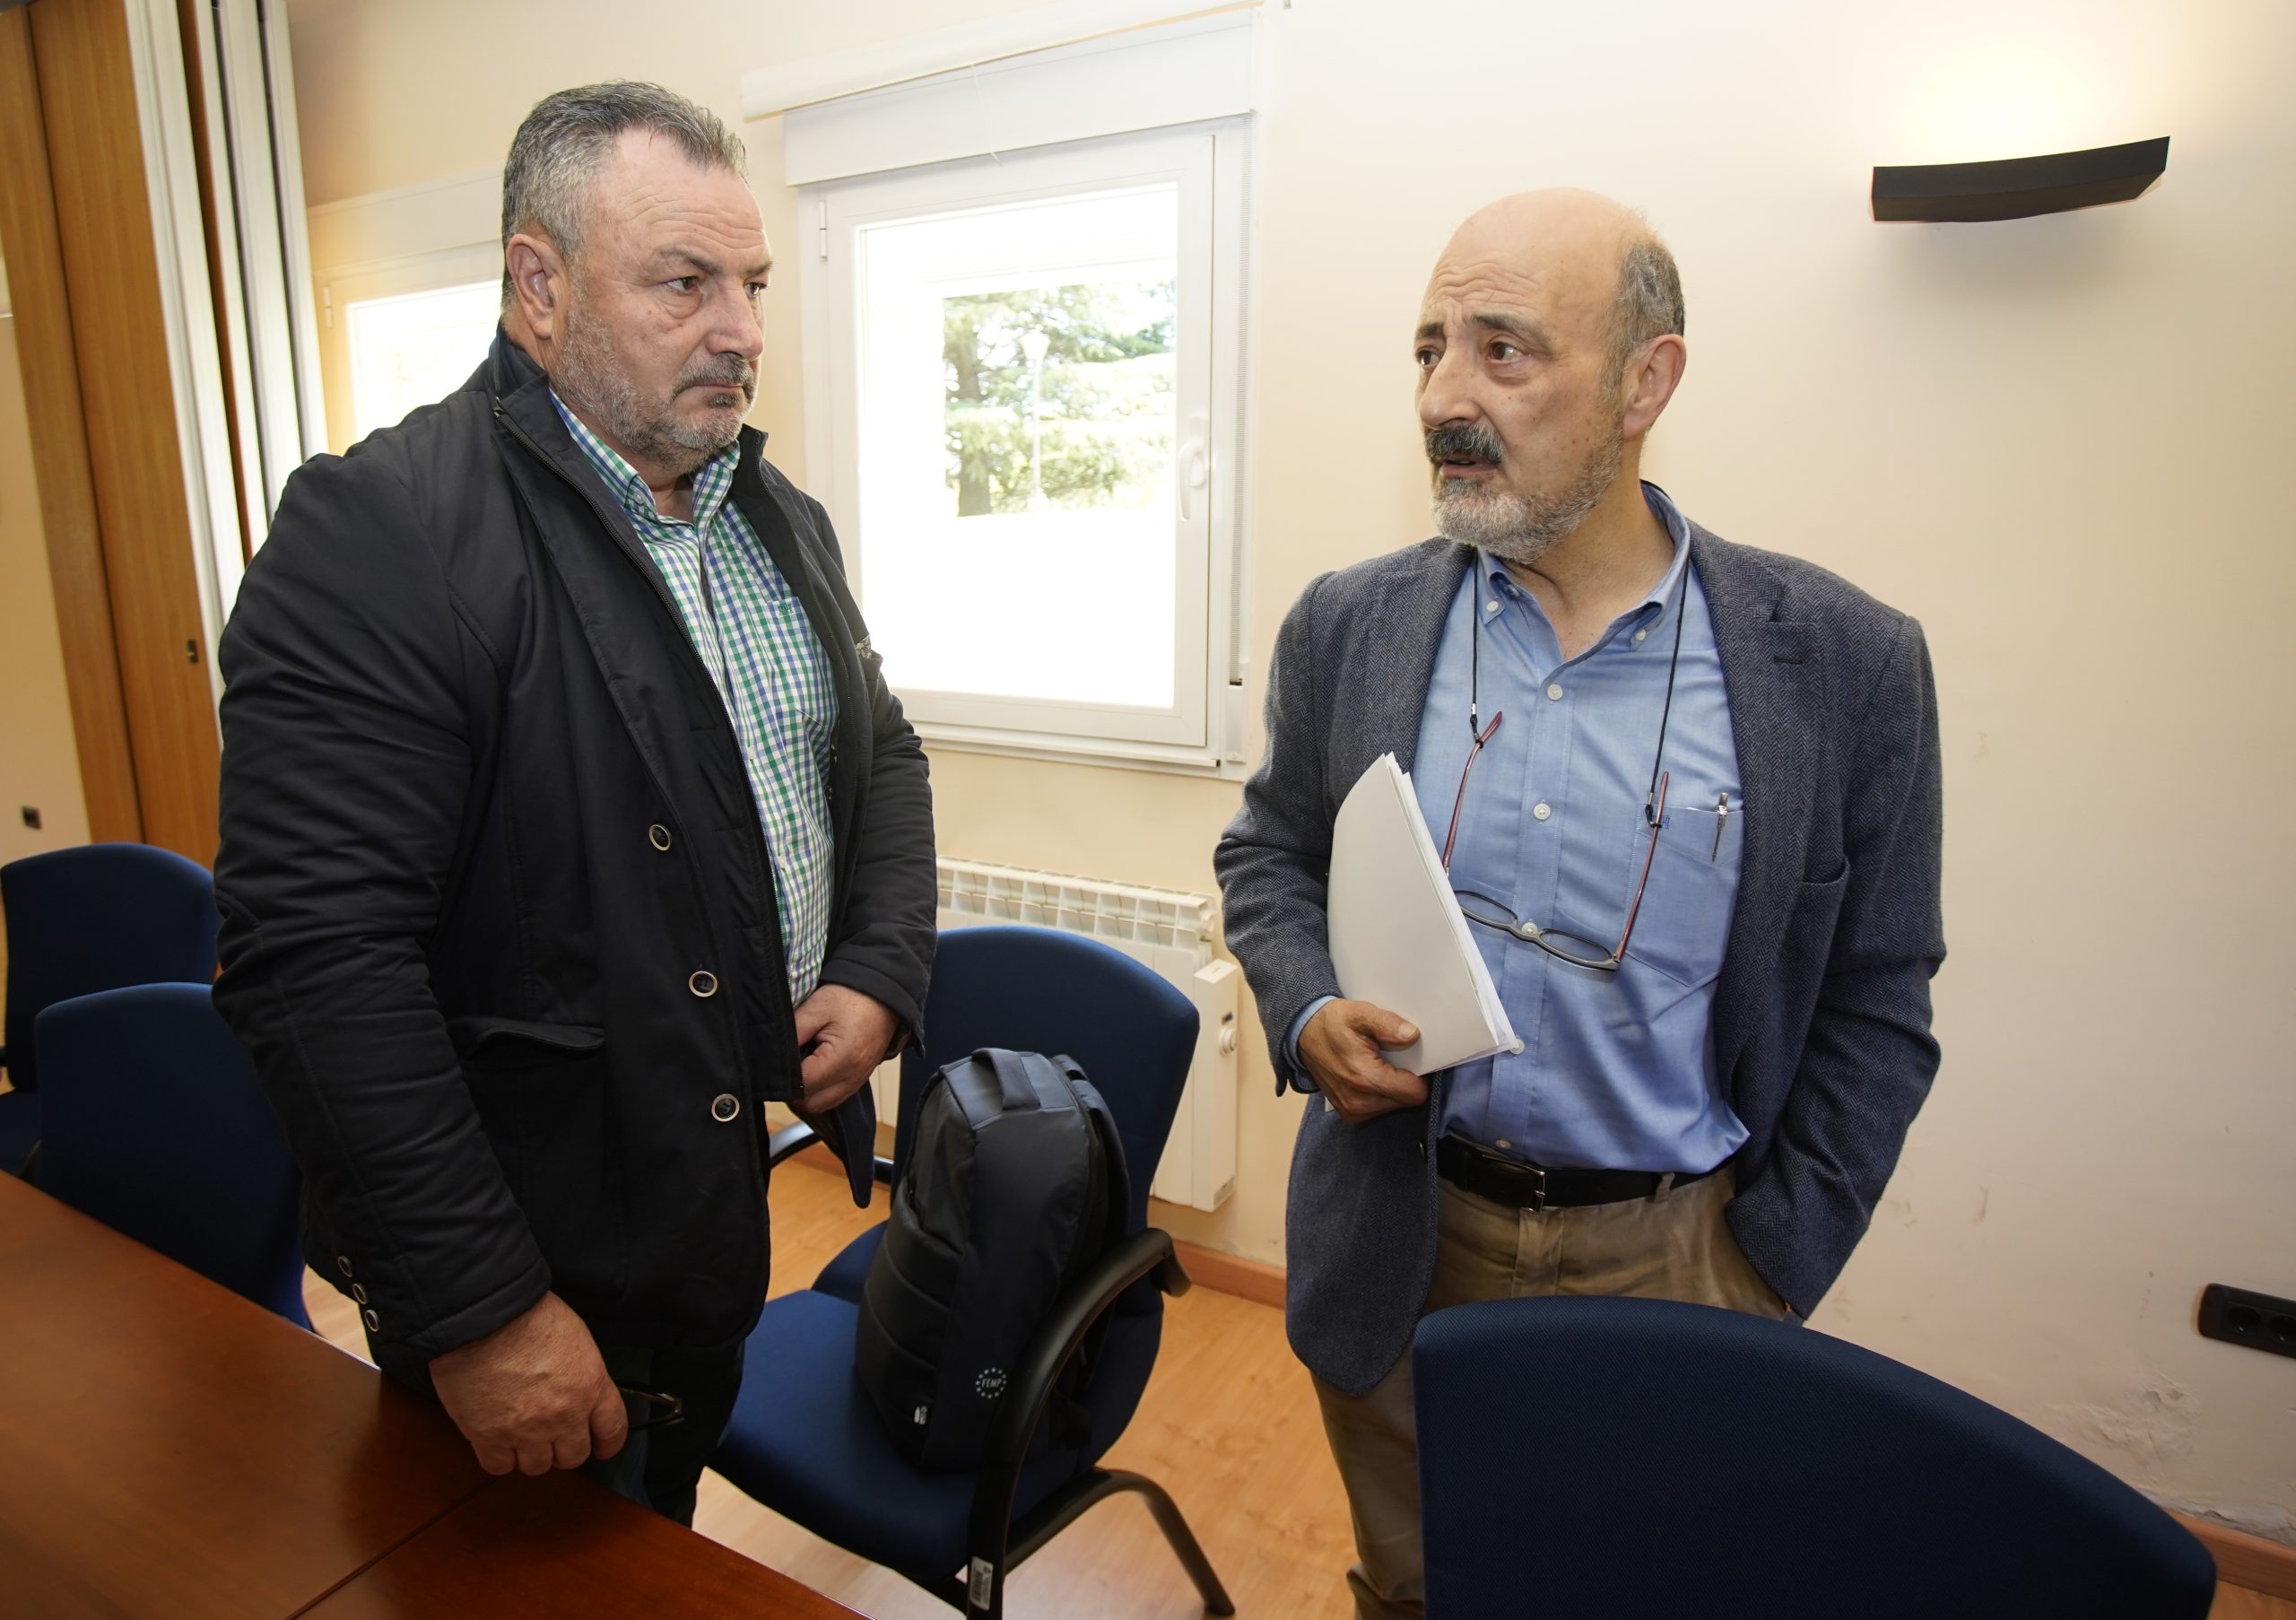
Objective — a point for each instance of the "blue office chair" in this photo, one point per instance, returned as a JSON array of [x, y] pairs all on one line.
[[804, 1440], [90, 918], [1622, 1457], [155, 1125]]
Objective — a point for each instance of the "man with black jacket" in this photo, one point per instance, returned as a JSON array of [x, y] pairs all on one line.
[[567, 821]]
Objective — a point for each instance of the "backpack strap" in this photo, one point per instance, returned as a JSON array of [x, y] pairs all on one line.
[[1070, 1419]]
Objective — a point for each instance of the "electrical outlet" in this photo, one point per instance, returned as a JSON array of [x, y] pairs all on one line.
[[2261, 1321], [31, 815]]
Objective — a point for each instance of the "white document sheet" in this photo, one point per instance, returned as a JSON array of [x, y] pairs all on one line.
[[1398, 938]]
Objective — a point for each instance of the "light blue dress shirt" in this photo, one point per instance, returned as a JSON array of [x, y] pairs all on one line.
[[1617, 1068]]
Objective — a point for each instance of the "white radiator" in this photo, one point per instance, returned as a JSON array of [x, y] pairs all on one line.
[[1171, 934]]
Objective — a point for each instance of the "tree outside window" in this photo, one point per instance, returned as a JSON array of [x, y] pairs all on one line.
[[1089, 425]]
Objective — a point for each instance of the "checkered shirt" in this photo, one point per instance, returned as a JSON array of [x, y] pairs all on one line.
[[753, 634]]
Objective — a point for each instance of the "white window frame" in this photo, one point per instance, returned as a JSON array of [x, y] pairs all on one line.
[[842, 154], [413, 238], [428, 273]]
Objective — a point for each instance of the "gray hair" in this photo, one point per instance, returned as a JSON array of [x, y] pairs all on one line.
[[567, 138], [1650, 304]]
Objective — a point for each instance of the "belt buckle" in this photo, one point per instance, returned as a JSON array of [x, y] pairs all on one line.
[[1538, 1188]]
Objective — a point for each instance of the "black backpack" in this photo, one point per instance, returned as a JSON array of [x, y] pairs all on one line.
[[1015, 1184]]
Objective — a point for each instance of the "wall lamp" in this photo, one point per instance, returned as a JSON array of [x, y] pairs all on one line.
[[2016, 188]]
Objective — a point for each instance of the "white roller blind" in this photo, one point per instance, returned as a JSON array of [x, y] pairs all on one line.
[[785, 85], [1185, 72]]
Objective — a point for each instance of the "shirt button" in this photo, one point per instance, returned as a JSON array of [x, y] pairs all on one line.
[[1502, 1141], [725, 1108], [658, 836], [1490, 607], [703, 983], [1542, 811], [1554, 692], [1639, 635], [343, 1264]]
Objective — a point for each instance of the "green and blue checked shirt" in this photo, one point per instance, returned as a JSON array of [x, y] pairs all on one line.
[[753, 634]]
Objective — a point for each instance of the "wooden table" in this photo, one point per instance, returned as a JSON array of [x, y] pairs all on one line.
[[169, 1450]]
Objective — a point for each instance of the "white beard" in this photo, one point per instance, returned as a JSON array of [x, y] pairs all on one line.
[[1522, 529]]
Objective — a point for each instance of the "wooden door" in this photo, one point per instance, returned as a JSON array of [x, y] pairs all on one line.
[[76, 228]]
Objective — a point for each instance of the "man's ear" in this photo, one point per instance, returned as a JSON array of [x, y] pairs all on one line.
[[539, 282], [1651, 378]]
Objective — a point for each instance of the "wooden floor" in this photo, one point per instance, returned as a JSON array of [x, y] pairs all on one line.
[[1229, 1425]]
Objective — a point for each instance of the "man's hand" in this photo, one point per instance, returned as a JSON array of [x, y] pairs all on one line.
[[1342, 1046], [534, 1393], [850, 1035]]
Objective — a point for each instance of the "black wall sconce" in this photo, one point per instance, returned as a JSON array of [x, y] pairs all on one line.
[[2016, 188]]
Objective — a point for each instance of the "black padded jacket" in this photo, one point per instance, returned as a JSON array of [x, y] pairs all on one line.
[[498, 922]]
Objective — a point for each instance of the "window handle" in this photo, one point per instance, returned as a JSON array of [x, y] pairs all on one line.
[[1195, 467]]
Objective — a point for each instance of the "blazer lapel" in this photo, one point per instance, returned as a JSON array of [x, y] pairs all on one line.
[[1395, 661], [1770, 676]]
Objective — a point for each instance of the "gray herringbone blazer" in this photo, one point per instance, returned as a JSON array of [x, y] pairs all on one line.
[[1821, 1014]]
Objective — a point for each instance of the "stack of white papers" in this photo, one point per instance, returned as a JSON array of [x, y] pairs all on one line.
[[1398, 938]]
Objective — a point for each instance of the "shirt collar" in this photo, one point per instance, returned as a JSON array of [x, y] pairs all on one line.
[[712, 481], [1652, 607]]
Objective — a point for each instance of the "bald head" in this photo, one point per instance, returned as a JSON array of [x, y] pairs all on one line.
[[1599, 264]]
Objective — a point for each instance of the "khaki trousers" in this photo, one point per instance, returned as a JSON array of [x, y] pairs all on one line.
[[1671, 1246]]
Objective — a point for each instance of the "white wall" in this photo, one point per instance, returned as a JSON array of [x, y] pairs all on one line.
[[2051, 439]]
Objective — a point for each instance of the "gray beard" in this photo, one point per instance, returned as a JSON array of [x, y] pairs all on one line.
[[640, 426], [1522, 529]]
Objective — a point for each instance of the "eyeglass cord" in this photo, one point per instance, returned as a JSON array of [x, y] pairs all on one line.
[[1665, 714]]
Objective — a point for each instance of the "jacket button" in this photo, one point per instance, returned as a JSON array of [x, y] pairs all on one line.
[[703, 983], [725, 1108], [374, 1323], [658, 836], [343, 1264]]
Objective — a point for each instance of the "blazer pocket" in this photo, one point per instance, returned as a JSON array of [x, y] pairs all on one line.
[[1819, 903], [1839, 875]]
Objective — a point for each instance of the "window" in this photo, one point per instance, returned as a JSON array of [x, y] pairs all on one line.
[[1030, 424], [409, 283], [416, 349], [1024, 340]]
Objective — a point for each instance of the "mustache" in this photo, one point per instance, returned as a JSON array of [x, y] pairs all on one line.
[[732, 372], [1469, 439]]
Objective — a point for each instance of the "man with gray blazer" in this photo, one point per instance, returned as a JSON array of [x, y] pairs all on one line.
[[1688, 795]]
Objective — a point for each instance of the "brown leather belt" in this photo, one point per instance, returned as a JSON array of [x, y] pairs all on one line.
[[1521, 1186]]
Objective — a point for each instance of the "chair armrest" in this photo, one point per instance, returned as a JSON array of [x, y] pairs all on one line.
[[793, 1137], [1021, 1408]]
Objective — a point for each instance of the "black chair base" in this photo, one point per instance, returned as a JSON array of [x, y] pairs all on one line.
[[1064, 1508]]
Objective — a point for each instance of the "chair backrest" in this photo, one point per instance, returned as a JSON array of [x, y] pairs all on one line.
[[152, 1122], [1044, 990], [1632, 1456], [96, 918]]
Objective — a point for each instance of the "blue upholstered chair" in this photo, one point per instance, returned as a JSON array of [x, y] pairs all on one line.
[[153, 1123], [806, 1442], [91, 918], [1617, 1457]]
